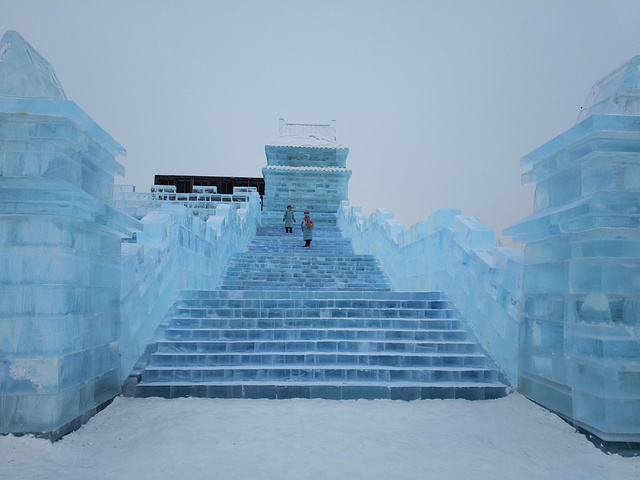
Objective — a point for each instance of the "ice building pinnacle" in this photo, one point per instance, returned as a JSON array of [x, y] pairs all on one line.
[[306, 135], [24, 72], [618, 93]]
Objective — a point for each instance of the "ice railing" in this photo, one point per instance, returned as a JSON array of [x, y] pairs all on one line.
[[202, 202], [455, 254]]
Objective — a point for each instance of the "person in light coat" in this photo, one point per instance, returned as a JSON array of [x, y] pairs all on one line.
[[288, 220], [307, 227]]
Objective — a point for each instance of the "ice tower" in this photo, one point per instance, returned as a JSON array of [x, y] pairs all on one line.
[[306, 168], [580, 331], [59, 251]]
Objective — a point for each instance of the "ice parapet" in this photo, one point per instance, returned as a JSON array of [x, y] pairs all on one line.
[[24, 73]]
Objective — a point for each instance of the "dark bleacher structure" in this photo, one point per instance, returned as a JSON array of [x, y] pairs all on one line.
[[185, 183]]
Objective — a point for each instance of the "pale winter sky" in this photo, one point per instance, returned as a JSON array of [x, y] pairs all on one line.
[[436, 100]]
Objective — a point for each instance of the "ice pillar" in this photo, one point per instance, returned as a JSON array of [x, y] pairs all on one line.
[[59, 251], [580, 332]]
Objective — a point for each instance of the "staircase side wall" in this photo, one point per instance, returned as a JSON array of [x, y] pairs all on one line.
[[454, 254], [175, 251]]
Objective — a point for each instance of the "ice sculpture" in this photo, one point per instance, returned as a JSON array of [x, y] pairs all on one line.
[[59, 250], [24, 73], [580, 331], [616, 93], [306, 168]]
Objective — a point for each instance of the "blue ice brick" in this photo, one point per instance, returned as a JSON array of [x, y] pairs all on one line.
[[292, 391], [442, 218], [419, 230], [470, 393], [473, 234]]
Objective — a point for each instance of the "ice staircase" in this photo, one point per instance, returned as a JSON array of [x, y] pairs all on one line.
[[319, 322], [277, 261]]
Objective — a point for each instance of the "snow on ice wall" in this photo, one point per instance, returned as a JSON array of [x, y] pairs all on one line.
[[580, 340], [455, 254]]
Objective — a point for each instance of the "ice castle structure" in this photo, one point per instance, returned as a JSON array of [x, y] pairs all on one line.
[[580, 329], [84, 285], [60, 246], [306, 168]]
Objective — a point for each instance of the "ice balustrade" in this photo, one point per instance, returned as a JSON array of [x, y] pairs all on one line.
[[202, 202], [453, 253]]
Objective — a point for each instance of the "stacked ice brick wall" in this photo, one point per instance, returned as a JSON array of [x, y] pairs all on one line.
[[452, 253], [580, 333], [176, 250], [306, 168], [59, 250]]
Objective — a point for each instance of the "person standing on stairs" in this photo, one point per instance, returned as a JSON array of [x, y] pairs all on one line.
[[307, 226], [288, 220]]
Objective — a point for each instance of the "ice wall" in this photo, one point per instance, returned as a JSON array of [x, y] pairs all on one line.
[[59, 250], [455, 254], [175, 251]]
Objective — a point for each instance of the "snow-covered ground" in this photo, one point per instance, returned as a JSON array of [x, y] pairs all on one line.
[[192, 438]]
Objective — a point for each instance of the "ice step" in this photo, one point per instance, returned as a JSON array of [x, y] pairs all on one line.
[[325, 390], [174, 333], [315, 322], [321, 322], [333, 373], [257, 346], [334, 312], [318, 359], [208, 295], [298, 303]]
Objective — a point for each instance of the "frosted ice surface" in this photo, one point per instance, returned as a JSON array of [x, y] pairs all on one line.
[[471, 233], [24, 73], [442, 218], [307, 135], [595, 308], [618, 93]]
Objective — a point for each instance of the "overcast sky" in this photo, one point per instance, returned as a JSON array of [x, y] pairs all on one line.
[[436, 100]]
